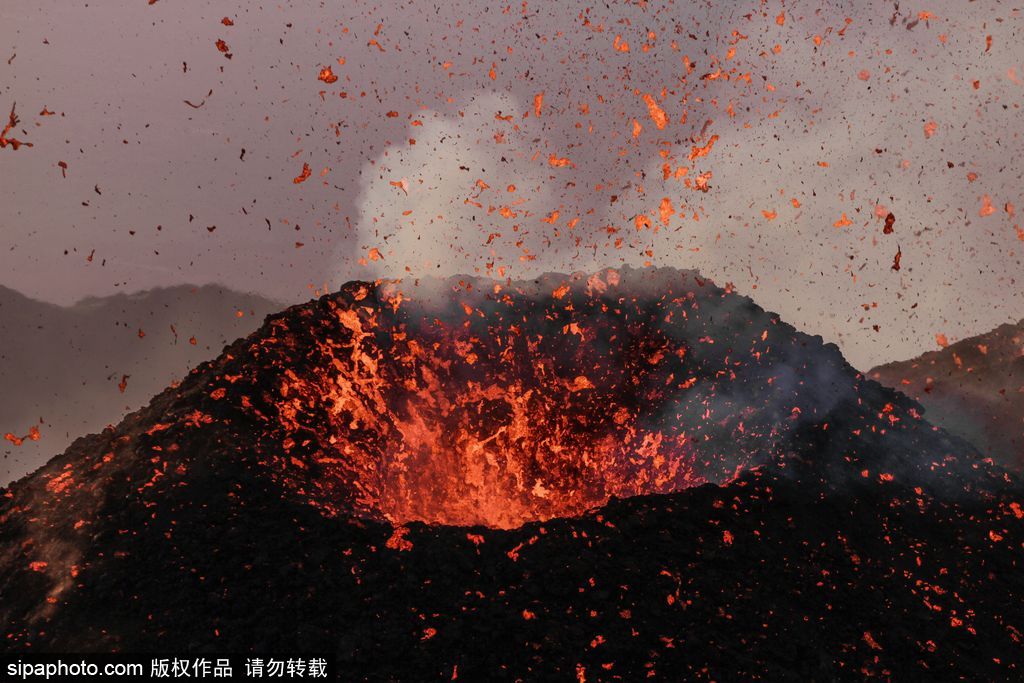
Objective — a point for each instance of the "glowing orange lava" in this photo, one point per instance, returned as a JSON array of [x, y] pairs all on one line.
[[479, 411]]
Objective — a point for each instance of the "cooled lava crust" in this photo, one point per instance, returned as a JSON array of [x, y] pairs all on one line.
[[628, 476]]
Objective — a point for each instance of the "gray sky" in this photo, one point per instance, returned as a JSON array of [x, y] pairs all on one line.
[[828, 115]]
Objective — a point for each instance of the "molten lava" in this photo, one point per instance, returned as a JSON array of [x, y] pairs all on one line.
[[475, 411]]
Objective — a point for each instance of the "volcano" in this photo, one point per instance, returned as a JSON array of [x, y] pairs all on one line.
[[628, 475]]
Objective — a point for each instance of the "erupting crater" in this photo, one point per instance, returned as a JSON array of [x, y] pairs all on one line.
[[272, 497], [474, 402], [475, 411]]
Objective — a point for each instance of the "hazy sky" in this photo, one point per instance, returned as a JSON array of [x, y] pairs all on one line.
[[813, 119]]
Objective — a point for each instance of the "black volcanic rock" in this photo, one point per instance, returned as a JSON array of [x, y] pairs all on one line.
[[845, 536]]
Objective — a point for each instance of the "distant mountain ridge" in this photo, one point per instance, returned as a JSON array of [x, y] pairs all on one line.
[[69, 370], [974, 388]]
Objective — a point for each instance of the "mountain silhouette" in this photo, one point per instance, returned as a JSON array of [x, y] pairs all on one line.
[[973, 388], [71, 370]]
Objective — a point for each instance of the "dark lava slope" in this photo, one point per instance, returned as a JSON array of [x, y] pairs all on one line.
[[846, 537]]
